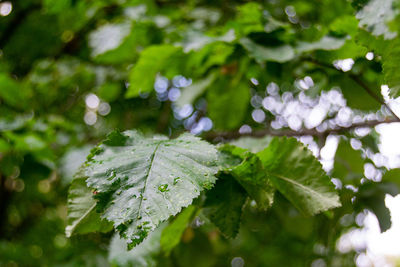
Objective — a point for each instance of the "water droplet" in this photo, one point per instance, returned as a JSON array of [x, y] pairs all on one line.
[[176, 180], [110, 173], [163, 188]]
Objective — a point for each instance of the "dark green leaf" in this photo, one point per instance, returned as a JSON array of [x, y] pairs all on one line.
[[299, 176], [229, 102], [224, 205]]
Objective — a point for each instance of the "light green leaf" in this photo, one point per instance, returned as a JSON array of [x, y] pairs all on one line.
[[196, 40], [171, 235], [190, 93], [254, 145], [299, 176], [143, 181], [153, 60], [71, 161], [115, 33], [144, 255], [261, 53], [250, 18], [224, 205], [82, 215], [325, 43]]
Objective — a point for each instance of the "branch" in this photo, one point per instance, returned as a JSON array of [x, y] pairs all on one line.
[[359, 81], [313, 132]]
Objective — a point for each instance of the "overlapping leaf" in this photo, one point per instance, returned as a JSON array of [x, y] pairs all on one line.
[[82, 215], [224, 205], [298, 175]]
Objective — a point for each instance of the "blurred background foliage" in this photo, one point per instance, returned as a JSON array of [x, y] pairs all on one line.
[[71, 71]]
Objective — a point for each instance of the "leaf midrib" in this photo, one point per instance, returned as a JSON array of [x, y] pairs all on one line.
[[313, 192], [73, 226], [153, 155]]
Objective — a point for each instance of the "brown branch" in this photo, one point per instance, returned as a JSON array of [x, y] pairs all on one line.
[[211, 136]]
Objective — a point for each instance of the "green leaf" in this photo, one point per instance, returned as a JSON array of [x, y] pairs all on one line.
[[299, 176], [144, 255], [82, 215], [213, 54], [348, 163], [375, 15], [355, 95], [261, 53], [325, 43], [130, 37], [71, 161], [109, 91], [250, 18], [153, 60], [228, 99], [143, 181], [254, 145], [13, 93], [251, 174], [193, 91], [392, 176], [389, 50], [224, 205], [171, 235], [390, 58], [371, 195]]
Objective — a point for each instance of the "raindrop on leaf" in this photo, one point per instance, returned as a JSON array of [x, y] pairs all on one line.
[[163, 188]]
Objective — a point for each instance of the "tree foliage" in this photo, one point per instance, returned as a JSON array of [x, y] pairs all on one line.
[[225, 111]]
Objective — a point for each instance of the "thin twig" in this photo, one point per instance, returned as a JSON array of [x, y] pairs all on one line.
[[313, 132]]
